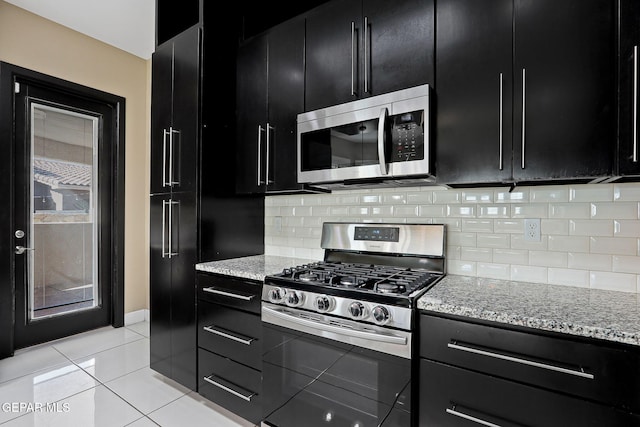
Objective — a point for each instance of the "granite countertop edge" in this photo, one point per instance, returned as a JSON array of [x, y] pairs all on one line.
[[493, 304], [254, 267]]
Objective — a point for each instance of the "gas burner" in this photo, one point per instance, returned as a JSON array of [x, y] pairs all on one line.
[[308, 277], [349, 281], [389, 288]]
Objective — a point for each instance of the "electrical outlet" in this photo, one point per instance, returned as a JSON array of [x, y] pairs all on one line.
[[532, 230]]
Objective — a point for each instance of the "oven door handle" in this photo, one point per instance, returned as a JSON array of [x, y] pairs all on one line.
[[323, 326]]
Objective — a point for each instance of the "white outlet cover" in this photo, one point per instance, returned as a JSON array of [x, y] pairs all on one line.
[[532, 230]]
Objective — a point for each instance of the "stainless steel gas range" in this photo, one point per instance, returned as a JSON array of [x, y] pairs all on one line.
[[338, 334]]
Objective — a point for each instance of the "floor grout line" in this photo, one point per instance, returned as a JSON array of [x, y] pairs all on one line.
[[75, 364]]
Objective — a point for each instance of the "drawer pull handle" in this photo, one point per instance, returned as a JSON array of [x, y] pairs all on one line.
[[470, 418], [227, 387], [521, 361], [213, 290], [217, 331]]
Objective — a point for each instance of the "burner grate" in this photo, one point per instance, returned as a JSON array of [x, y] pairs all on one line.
[[373, 278]]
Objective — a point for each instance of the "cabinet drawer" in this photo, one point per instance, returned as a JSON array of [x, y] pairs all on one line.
[[603, 372], [231, 333], [230, 291], [451, 396], [230, 385]]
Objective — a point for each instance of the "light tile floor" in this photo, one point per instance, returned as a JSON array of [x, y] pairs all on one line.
[[99, 378]]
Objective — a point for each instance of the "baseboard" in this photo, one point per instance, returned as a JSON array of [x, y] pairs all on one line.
[[136, 317]]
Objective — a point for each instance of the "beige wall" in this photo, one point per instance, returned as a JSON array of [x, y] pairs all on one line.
[[32, 42]]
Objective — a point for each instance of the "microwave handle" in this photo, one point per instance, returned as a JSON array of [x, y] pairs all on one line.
[[382, 141]]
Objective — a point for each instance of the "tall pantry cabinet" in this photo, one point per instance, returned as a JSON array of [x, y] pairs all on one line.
[[195, 214], [175, 132]]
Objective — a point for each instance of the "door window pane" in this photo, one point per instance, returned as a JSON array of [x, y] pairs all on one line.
[[62, 267]]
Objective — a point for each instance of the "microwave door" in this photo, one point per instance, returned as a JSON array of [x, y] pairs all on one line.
[[336, 151]]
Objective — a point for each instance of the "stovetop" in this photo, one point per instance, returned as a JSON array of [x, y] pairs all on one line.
[[379, 283], [367, 269], [380, 279]]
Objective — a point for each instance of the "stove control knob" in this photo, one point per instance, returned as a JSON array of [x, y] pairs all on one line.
[[276, 295], [324, 304], [357, 310], [381, 315], [294, 298]]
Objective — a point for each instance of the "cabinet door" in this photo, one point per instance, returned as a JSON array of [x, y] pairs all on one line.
[[629, 148], [183, 141], [397, 45], [172, 286], [183, 247], [452, 396], [474, 91], [161, 103], [564, 80], [286, 101], [252, 115], [159, 288], [332, 46]]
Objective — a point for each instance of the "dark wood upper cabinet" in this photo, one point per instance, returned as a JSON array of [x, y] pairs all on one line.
[[565, 85], [357, 48], [270, 95], [474, 91], [525, 91], [175, 113], [628, 161], [251, 101], [161, 109]]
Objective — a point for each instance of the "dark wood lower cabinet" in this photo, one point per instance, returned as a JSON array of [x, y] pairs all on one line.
[[230, 333], [486, 373], [172, 290], [230, 343], [230, 384], [451, 396]]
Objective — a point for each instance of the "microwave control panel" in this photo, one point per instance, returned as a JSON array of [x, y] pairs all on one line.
[[407, 136]]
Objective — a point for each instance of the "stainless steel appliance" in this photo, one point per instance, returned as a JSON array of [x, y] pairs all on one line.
[[338, 334], [371, 140]]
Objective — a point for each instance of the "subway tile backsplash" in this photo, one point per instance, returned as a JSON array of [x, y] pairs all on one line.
[[590, 233]]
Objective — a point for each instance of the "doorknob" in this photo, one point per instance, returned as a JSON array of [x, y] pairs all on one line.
[[21, 249]]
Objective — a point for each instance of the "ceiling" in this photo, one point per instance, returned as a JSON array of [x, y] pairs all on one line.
[[126, 24]]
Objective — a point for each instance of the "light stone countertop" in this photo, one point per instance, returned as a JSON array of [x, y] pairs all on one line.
[[593, 313], [252, 267], [606, 315]]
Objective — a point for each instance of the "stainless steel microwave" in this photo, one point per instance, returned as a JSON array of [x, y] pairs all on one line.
[[376, 139]]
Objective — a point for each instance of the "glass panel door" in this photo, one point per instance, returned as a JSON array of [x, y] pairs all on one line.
[[62, 250]]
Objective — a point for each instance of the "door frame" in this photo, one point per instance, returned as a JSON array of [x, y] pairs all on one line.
[[9, 74]]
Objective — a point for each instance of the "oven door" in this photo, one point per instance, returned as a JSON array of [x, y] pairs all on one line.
[[312, 380]]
